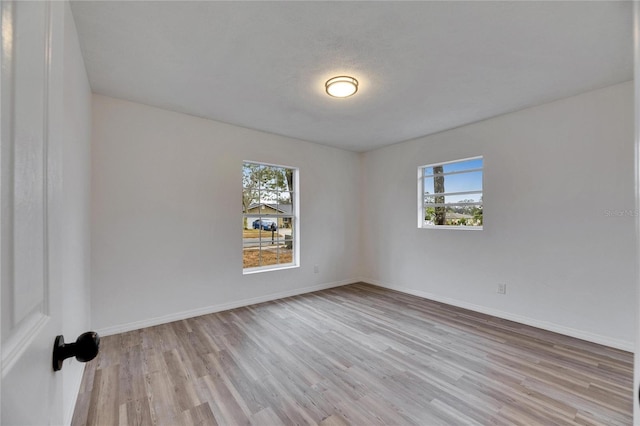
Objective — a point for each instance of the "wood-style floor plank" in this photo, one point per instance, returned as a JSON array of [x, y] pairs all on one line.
[[353, 355]]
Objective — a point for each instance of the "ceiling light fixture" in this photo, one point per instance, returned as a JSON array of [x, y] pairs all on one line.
[[341, 87]]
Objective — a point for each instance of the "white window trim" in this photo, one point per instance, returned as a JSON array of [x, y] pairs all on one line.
[[421, 176], [295, 221], [458, 172]]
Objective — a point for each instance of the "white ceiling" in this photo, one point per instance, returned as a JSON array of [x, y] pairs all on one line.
[[423, 67]]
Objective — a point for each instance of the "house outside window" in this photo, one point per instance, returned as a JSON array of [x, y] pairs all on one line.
[[450, 195], [269, 217]]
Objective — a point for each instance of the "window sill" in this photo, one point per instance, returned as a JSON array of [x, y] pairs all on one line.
[[250, 271], [458, 228]]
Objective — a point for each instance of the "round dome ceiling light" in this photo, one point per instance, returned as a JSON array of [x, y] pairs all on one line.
[[341, 87]]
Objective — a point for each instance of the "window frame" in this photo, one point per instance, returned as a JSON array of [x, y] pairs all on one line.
[[277, 217], [421, 195]]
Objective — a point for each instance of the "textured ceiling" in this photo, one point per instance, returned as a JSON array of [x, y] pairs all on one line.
[[423, 67]]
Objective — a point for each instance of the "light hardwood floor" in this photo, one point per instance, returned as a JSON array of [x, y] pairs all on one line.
[[358, 355]]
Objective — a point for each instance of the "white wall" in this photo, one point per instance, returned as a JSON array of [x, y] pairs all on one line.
[[636, 116], [166, 194], [550, 175], [166, 215], [76, 178]]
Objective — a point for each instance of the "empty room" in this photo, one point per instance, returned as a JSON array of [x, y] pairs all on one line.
[[325, 213]]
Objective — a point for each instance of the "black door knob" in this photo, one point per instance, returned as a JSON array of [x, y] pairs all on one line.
[[85, 348]]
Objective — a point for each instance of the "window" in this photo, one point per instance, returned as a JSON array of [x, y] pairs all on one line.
[[269, 218], [450, 195]]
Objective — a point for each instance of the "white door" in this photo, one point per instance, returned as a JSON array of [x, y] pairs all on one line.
[[30, 132], [636, 113]]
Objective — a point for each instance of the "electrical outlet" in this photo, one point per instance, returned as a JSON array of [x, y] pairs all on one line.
[[316, 269], [502, 289]]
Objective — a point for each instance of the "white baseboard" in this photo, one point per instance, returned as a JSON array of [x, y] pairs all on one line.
[[545, 325], [136, 325]]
